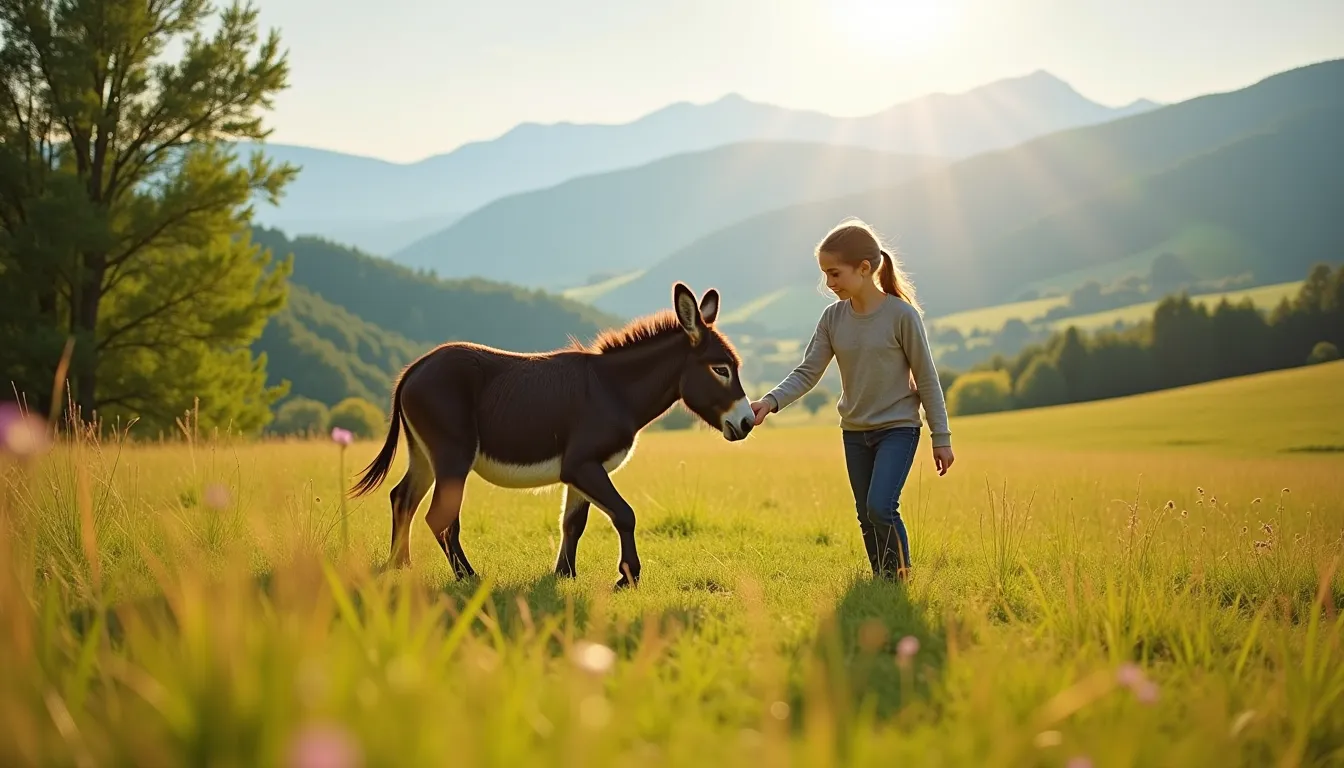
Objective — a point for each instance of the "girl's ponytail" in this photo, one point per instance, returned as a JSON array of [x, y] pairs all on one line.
[[894, 282]]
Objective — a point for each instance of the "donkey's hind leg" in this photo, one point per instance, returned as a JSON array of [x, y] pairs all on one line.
[[406, 498], [573, 519], [444, 519]]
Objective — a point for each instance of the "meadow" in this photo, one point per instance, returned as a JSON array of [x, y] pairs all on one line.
[[1149, 581], [992, 319]]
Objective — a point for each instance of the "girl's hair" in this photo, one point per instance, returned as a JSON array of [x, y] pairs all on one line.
[[854, 242]]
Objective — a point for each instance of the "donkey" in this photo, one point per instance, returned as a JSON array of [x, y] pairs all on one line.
[[567, 416]]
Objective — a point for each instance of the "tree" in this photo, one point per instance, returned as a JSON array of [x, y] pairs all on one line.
[[816, 399], [123, 213], [980, 392], [301, 416], [1183, 346], [1040, 385], [1323, 352], [362, 418], [1071, 359]]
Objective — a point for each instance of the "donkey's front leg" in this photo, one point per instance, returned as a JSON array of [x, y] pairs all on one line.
[[592, 481]]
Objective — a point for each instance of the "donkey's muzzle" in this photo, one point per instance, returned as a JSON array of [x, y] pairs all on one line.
[[740, 430]]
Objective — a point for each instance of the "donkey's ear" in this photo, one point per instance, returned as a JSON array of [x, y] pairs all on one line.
[[688, 314], [709, 306]]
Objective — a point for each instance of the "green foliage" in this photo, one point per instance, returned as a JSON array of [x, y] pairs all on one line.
[[1323, 352], [328, 354], [122, 214], [301, 416], [364, 419], [1185, 343], [980, 392], [1040, 385], [816, 399]]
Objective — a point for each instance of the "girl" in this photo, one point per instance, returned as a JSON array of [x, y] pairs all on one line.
[[876, 334]]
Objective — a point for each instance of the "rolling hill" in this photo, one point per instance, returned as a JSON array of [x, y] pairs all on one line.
[[354, 320], [596, 227], [1195, 416], [1261, 161], [338, 194], [328, 354]]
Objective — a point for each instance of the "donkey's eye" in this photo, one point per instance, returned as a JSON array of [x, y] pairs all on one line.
[[722, 371]]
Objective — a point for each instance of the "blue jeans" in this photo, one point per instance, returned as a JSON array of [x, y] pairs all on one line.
[[878, 463]]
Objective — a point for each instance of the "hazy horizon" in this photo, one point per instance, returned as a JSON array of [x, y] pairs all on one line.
[[430, 77]]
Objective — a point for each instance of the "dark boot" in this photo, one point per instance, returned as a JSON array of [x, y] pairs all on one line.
[[891, 561], [870, 544]]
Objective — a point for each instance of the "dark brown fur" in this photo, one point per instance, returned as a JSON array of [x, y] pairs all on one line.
[[565, 416]]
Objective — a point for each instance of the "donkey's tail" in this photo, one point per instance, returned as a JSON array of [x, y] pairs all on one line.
[[377, 469]]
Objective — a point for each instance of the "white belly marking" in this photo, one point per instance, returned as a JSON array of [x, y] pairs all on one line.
[[538, 475]]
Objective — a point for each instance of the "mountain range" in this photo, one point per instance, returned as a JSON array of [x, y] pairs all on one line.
[[381, 206], [1259, 166], [1242, 184]]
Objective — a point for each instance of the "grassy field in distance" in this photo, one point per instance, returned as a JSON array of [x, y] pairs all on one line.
[[991, 319], [1265, 297], [1144, 581]]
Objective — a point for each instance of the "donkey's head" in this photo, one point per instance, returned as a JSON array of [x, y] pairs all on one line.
[[710, 386]]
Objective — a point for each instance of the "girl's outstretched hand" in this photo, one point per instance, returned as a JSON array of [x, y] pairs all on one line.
[[943, 458], [762, 409]]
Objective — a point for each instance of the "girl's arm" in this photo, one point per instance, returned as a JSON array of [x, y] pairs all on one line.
[[915, 341], [804, 377]]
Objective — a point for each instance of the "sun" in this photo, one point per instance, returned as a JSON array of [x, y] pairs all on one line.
[[901, 26]]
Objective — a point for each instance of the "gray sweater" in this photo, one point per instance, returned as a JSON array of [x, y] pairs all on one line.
[[886, 369]]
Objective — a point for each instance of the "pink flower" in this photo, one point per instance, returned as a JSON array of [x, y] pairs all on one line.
[[907, 647], [22, 433], [341, 436], [216, 496], [1078, 762], [324, 746], [1132, 677], [1129, 674]]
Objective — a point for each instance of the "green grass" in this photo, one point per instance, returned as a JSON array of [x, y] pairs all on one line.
[[1265, 297], [1291, 411], [1173, 531]]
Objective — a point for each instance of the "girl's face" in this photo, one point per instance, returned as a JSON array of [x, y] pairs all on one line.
[[842, 279]]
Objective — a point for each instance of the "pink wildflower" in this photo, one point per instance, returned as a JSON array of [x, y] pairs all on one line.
[[324, 746], [1078, 762], [21, 433], [907, 647], [341, 437], [216, 496], [1132, 677]]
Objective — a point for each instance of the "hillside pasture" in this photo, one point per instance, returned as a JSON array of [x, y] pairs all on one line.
[[1264, 297]]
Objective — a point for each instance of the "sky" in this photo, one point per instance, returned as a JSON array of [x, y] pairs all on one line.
[[406, 79]]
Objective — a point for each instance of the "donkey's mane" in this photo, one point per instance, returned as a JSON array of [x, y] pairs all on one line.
[[636, 331], [645, 329]]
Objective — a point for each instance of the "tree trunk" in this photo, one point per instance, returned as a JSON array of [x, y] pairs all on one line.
[[85, 326]]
